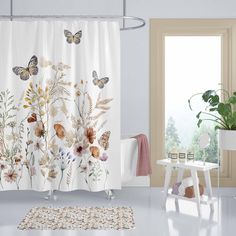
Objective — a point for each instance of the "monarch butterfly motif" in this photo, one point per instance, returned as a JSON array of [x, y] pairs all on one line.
[[99, 82], [30, 70], [104, 140], [32, 118], [70, 38]]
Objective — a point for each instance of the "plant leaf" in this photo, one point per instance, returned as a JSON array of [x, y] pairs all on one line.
[[217, 127], [103, 102], [232, 100], [206, 95], [224, 109], [198, 115], [189, 104], [213, 109], [199, 123], [214, 100]]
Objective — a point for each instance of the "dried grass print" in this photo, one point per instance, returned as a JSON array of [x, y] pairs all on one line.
[[50, 141]]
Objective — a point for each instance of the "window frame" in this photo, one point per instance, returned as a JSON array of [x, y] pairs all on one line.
[[159, 28]]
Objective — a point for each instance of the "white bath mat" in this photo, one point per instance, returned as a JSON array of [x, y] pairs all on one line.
[[85, 218]]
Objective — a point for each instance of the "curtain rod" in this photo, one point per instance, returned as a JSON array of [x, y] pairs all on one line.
[[111, 17], [141, 22]]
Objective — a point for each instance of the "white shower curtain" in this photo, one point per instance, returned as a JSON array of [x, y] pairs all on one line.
[[59, 105]]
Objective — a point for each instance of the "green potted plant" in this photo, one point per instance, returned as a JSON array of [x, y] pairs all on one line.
[[221, 113]]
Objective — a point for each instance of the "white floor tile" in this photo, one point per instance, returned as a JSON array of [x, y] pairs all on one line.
[[150, 218]]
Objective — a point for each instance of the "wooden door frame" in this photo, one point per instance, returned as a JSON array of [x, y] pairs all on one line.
[[159, 28]]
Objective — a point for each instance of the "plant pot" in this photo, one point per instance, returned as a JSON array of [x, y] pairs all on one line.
[[227, 139]]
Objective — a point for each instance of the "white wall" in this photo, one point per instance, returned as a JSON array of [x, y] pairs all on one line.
[[4, 7]]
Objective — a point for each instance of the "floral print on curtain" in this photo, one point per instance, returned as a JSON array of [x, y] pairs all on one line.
[[55, 134]]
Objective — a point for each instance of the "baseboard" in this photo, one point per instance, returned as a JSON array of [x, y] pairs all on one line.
[[142, 181]]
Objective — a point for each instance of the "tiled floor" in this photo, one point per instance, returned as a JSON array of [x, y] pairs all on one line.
[[150, 218]]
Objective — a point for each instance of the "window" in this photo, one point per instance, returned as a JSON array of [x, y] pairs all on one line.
[[192, 65], [188, 56]]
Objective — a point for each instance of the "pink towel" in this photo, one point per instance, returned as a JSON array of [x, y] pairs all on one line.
[[143, 163]]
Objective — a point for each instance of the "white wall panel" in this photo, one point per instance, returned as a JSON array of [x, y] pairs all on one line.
[[4, 7], [63, 7]]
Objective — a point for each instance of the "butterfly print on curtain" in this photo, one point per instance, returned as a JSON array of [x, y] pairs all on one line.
[[99, 82], [70, 38], [26, 72]]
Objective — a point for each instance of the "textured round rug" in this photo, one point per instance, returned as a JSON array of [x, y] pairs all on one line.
[[85, 218]]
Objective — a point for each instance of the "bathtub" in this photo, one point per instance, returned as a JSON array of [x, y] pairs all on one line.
[[129, 157]]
